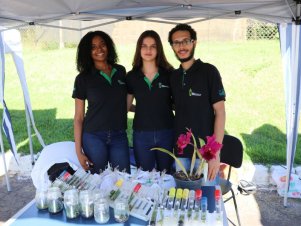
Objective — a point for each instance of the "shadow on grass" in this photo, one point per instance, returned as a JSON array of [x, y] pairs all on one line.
[[267, 145], [51, 129]]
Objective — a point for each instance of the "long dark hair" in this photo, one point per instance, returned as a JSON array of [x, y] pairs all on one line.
[[84, 61], [161, 60]]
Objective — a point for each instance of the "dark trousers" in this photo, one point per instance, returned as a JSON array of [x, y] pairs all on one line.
[[143, 141], [107, 146]]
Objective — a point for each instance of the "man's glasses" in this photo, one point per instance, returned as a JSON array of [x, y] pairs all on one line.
[[185, 42]]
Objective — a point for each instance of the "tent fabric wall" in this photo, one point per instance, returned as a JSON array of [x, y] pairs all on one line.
[[290, 41], [18, 13]]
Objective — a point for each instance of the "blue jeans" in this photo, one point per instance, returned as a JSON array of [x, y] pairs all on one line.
[[143, 141], [107, 146], [186, 163]]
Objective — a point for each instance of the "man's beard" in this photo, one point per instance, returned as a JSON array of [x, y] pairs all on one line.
[[183, 60]]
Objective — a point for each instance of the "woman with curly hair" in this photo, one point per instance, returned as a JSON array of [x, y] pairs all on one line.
[[100, 132]]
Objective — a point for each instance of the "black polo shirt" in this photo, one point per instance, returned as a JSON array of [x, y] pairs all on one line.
[[153, 100], [106, 98], [194, 92]]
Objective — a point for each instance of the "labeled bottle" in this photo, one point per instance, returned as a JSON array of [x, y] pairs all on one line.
[[218, 204], [178, 199], [190, 204], [171, 197], [198, 197], [204, 209], [115, 192]]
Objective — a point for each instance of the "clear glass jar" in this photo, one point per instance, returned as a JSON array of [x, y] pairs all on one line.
[[86, 203], [54, 200], [121, 209], [101, 210], [71, 203], [41, 199]]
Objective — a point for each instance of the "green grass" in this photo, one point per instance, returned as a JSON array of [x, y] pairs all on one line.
[[251, 72]]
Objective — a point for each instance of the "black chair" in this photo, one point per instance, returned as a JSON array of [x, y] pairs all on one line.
[[231, 154]]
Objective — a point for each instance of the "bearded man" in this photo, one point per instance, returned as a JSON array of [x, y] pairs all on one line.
[[198, 96]]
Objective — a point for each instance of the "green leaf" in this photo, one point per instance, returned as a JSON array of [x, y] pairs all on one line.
[[174, 157], [202, 142], [195, 150]]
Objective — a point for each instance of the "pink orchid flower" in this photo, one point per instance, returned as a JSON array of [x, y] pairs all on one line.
[[209, 150], [183, 141]]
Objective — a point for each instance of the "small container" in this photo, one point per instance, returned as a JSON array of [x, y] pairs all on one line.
[[86, 204], [121, 209], [54, 198], [71, 203], [41, 199], [101, 210]]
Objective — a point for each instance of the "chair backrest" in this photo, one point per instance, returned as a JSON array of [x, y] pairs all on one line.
[[232, 151]]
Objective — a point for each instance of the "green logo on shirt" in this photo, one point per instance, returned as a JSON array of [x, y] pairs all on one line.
[[221, 92], [121, 82], [162, 86], [193, 93]]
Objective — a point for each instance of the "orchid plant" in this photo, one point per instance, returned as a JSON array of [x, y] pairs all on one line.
[[204, 151]]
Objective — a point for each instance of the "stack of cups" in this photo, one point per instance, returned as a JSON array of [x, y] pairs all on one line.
[[54, 200], [71, 203], [101, 207], [86, 203]]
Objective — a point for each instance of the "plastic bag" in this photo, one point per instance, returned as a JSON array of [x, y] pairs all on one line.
[[279, 177]]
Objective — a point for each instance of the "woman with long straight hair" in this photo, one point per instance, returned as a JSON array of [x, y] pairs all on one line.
[[148, 83]]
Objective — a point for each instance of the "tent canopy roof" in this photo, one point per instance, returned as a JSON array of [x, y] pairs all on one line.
[[16, 13]]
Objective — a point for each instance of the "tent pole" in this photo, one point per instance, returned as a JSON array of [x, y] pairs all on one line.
[[4, 163], [29, 134]]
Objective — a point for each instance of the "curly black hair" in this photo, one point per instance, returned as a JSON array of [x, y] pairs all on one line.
[[84, 61], [182, 27]]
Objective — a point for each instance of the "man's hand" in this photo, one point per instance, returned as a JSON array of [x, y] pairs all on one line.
[[84, 161], [213, 167]]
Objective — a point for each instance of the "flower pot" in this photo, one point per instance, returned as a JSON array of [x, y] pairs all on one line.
[[189, 184]]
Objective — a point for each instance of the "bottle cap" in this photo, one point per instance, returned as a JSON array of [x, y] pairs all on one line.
[[179, 193], [185, 193], [191, 194], [198, 194], [172, 192], [217, 194], [119, 183], [137, 187]]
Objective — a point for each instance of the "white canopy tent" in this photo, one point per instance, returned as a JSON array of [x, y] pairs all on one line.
[[285, 13]]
